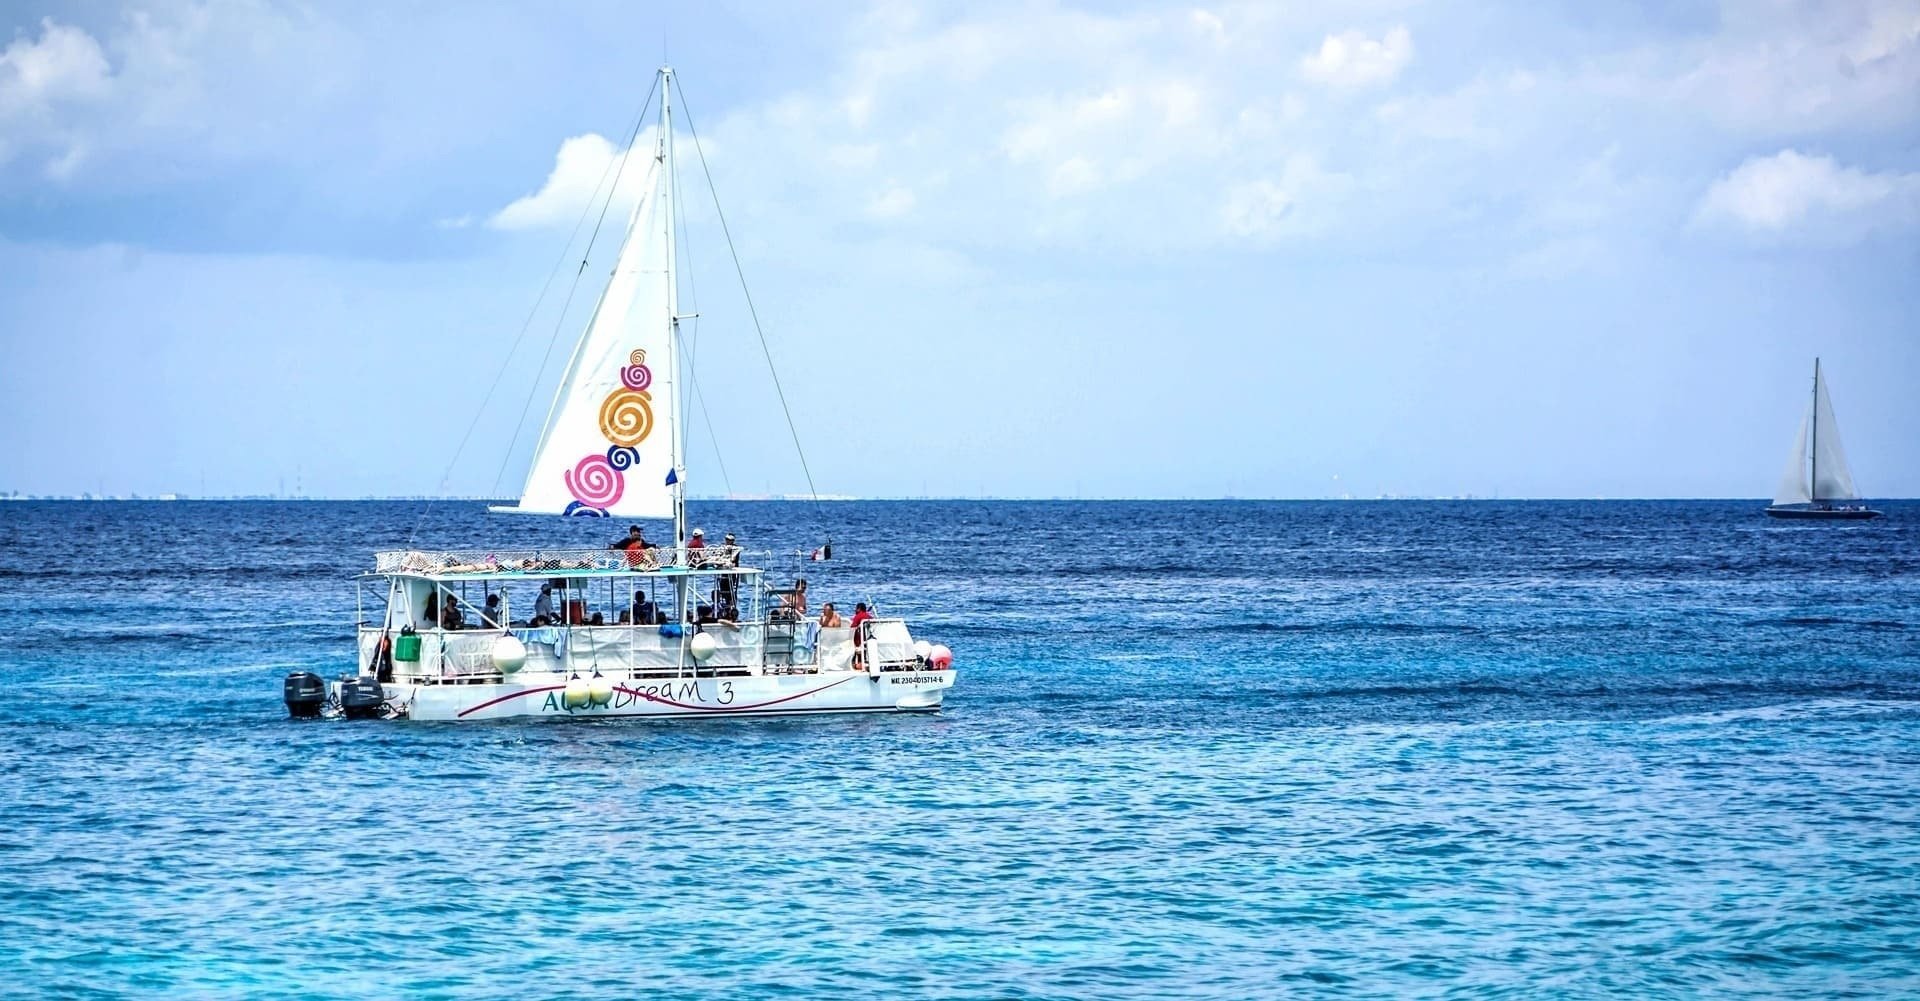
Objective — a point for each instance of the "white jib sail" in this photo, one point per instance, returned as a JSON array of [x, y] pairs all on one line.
[[1793, 482], [609, 440], [1832, 480]]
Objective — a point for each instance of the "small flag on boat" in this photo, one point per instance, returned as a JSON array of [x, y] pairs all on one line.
[[673, 476]]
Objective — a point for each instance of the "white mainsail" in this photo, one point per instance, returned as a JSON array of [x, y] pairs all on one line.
[[610, 444], [1832, 480], [1827, 478]]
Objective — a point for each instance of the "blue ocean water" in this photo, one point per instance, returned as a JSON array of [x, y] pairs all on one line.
[[1197, 749]]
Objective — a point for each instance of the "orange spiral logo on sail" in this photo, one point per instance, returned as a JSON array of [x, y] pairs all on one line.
[[626, 418]]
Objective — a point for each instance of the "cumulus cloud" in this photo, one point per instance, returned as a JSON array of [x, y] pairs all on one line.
[[1772, 194], [1351, 59], [63, 66], [63, 63], [893, 202], [581, 171], [1793, 69], [1295, 202], [169, 90]]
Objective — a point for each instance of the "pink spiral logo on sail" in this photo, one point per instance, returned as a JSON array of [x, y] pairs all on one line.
[[636, 377], [595, 483]]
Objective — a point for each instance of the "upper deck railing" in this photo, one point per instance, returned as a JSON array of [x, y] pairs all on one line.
[[545, 561]]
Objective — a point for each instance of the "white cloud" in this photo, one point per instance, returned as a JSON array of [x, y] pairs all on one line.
[[1351, 59], [1073, 176], [169, 91], [891, 203], [1791, 69], [581, 171], [1790, 189], [1255, 208], [1296, 202], [64, 66]]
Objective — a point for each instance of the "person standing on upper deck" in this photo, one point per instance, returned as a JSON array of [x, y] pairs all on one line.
[[861, 615]]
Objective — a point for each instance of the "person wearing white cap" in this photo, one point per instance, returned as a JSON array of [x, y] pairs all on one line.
[[699, 540]]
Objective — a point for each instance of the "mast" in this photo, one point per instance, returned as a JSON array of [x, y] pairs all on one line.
[[667, 191], [1813, 476]]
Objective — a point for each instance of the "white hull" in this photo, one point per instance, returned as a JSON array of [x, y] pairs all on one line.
[[683, 698]]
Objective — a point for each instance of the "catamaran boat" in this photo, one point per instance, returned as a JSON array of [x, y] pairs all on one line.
[[687, 630], [1817, 485]]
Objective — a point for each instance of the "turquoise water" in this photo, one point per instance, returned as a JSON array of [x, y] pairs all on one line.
[[1212, 750]]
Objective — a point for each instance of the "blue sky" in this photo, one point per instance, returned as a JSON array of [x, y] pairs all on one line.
[[1029, 249]]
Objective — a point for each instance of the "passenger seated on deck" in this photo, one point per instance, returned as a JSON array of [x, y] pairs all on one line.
[[597, 620], [543, 605], [636, 547], [830, 619], [490, 616]]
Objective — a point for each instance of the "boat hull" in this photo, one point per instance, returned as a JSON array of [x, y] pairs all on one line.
[[682, 698], [1822, 514]]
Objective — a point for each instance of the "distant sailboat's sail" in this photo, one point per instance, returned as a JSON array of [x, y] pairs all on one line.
[[609, 442], [1832, 480], [1793, 483]]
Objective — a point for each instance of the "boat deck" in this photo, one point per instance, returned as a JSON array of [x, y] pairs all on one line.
[[478, 564]]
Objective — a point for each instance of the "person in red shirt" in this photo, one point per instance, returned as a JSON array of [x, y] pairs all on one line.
[[636, 548], [861, 616]]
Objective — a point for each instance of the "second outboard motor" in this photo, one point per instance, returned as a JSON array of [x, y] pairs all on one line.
[[361, 698], [306, 695]]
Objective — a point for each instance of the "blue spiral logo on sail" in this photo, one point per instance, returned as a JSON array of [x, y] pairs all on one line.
[[623, 456]]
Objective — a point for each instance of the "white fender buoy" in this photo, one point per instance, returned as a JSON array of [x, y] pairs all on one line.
[[509, 655], [599, 691], [923, 649], [703, 647], [577, 694], [942, 658]]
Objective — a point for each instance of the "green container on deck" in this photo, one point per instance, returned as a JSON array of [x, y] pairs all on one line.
[[406, 647]]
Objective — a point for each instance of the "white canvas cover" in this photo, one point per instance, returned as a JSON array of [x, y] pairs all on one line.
[[609, 440]]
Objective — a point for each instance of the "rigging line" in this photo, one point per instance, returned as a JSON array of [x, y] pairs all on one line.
[[693, 353], [638, 122], [687, 113], [507, 362]]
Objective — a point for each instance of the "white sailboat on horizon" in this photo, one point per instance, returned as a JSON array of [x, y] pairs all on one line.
[[1817, 484]]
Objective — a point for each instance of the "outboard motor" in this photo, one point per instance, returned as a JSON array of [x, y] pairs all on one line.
[[361, 698], [306, 695]]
